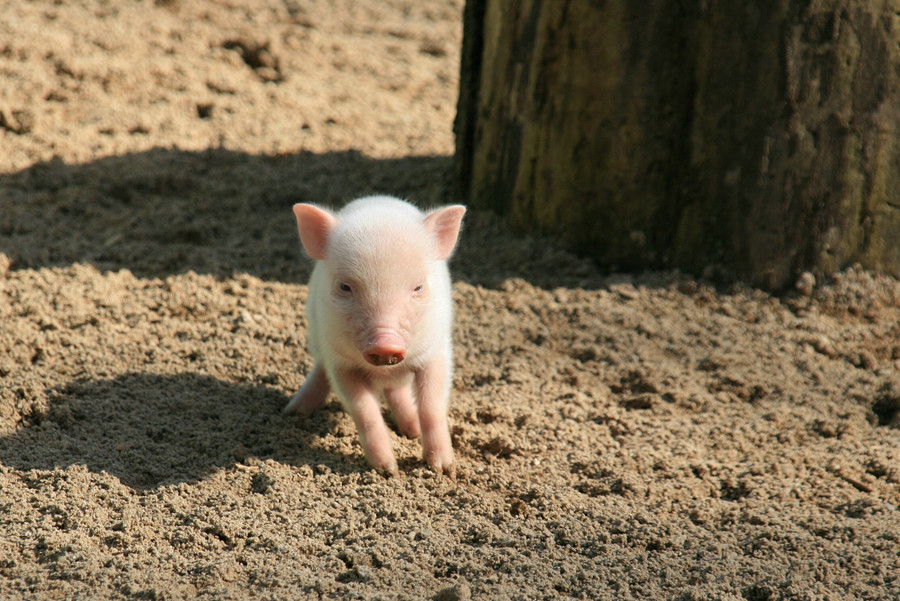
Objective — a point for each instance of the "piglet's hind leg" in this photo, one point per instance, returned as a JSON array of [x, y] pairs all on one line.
[[403, 408], [311, 395]]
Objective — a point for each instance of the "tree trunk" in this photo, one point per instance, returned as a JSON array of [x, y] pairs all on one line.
[[746, 139]]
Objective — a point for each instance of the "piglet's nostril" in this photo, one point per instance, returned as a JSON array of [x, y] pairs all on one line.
[[384, 358]]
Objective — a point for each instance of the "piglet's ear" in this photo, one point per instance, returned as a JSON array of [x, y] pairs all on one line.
[[444, 224], [314, 225]]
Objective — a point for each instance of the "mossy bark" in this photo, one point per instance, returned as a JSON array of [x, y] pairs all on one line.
[[755, 138]]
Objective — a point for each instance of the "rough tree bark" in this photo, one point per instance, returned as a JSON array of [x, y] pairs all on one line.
[[754, 139]]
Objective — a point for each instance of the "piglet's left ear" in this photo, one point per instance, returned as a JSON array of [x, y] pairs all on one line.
[[444, 224]]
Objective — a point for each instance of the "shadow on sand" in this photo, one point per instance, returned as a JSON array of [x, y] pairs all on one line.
[[163, 211], [149, 430]]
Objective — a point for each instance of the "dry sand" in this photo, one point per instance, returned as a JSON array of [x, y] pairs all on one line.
[[619, 436]]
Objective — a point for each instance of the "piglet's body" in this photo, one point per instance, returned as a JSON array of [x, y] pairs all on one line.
[[380, 318]]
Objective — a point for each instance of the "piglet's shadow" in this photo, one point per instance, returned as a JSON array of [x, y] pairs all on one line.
[[150, 430]]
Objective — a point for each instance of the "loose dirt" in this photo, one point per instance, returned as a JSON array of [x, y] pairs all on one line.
[[619, 436]]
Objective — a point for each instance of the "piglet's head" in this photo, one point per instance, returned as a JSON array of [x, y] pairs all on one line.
[[383, 258]]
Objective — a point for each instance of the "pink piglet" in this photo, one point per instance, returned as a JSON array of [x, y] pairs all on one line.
[[380, 319]]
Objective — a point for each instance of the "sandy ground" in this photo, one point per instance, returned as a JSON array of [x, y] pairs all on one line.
[[619, 436]]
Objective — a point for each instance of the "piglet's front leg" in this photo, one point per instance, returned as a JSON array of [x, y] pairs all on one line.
[[432, 391], [362, 404]]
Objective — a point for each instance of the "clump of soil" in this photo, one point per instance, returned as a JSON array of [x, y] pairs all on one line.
[[619, 436]]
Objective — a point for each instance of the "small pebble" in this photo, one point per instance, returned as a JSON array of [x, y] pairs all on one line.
[[806, 283], [824, 345], [260, 483], [457, 592], [240, 453], [867, 360]]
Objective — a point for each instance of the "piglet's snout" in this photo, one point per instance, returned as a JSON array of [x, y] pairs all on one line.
[[385, 350]]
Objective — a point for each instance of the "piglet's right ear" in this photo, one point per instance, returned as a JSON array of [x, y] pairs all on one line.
[[314, 225]]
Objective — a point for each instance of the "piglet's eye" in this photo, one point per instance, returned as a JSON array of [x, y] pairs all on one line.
[[419, 289], [344, 287]]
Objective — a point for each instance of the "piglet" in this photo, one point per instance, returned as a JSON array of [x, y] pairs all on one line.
[[380, 319]]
